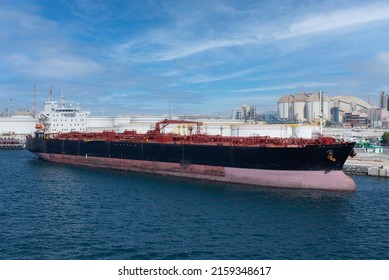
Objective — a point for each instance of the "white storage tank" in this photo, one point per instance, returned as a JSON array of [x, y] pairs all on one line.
[[305, 131], [313, 107], [99, 123], [282, 131], [284, 106], [299, 111]]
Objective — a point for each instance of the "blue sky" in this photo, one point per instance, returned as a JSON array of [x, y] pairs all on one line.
[[201, 57]]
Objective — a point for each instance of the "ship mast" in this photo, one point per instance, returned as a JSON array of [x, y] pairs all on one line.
[[62, 99], [10, 107], [51, 93], [321, 111], [34, 102]]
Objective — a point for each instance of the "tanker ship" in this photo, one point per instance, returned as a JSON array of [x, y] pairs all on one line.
[[257, 160]]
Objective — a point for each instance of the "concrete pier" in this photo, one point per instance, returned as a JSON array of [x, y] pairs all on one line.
[[368, 164]]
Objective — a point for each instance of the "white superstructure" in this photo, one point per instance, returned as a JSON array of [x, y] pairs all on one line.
[[61, 117]]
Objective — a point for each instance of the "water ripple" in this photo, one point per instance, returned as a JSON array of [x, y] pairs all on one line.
[[53, 211]]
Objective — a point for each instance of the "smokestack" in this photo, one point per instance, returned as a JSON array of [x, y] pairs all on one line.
[[382, 97]]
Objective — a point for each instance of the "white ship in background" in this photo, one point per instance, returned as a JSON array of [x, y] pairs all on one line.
[[61, 117], [56, 117]]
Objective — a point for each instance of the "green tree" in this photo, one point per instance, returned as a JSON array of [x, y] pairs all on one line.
[[385, 138]]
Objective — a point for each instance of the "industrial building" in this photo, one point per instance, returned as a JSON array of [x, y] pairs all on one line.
[[379, 117], [306, 107], [245, 112], [384, 101], [342, 105]]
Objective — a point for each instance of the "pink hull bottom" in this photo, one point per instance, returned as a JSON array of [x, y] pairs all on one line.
[[333, 180]]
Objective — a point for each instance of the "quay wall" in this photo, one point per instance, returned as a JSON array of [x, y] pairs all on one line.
[[368, 164]]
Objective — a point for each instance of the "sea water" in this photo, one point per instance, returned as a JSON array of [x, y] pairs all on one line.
[[58, 211]]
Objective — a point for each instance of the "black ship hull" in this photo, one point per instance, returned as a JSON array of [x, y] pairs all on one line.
[[298, 167]]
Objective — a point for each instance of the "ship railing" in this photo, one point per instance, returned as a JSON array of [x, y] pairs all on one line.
[[153, 136]]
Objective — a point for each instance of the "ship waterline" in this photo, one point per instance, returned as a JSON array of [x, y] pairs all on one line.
[[306, 179]]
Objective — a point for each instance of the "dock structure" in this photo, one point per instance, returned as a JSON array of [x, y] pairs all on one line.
[[11, 146], [371, 164], [10, 143]]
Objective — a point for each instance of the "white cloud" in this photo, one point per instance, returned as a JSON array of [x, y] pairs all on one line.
[[301, 85], [336, 20], [205, 79], [202, 46], [374, 70], [383, 58], [54, 67], [180, 41], [168, 48], [35, 47], [22, 22]]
